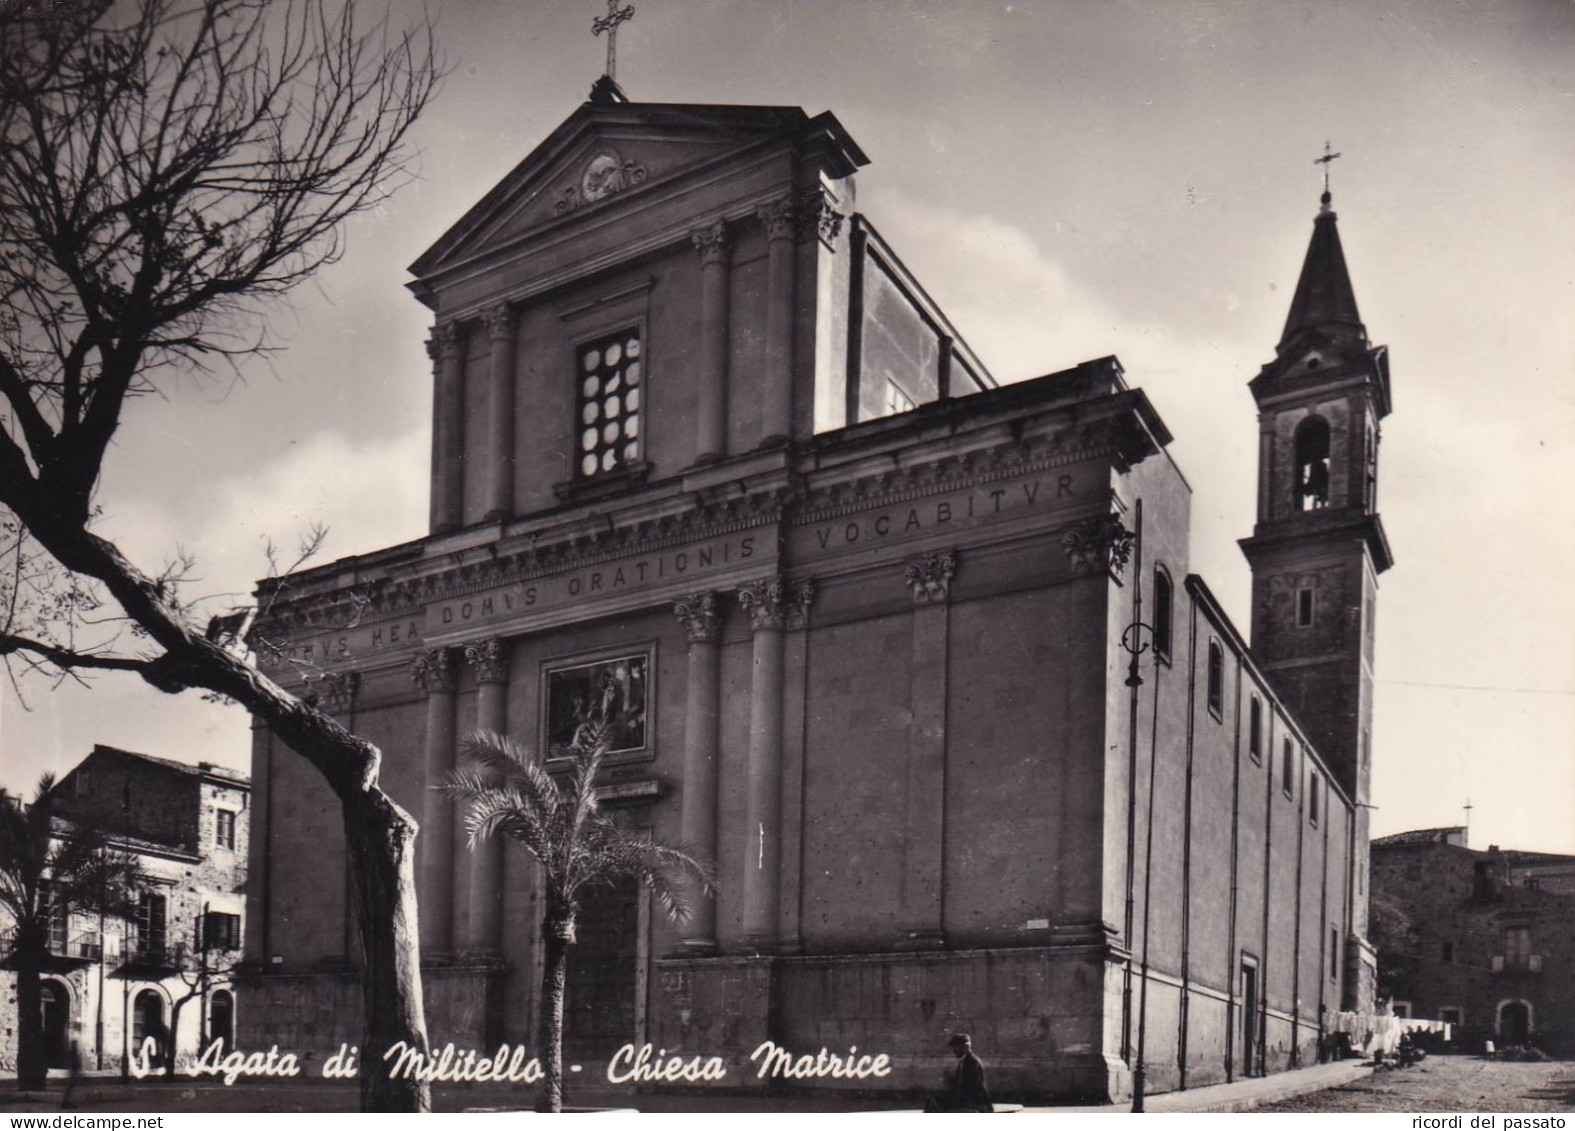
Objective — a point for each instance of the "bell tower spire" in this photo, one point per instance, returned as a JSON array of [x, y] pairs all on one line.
[[1318, 546]]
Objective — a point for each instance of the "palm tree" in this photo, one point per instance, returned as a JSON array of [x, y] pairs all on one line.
[[506, 792], [50, 868]]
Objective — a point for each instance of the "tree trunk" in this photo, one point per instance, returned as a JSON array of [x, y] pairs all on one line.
[[32, 1058], [557, 933], [380, 837]]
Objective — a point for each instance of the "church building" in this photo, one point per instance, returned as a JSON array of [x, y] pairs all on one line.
[[915, 657]]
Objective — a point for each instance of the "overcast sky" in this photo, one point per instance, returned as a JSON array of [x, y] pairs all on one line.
[[1068, 180]]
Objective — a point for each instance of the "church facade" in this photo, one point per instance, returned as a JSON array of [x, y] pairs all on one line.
[[711, 469]]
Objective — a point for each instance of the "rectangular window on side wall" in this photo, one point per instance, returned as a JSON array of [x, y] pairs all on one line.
[[221, 931], [1314, 788], [1255, 730], [609, 407], [1334, 953], [1164, 595], [1288, 768], [224, 828], [1216, 680], [1304, 608]]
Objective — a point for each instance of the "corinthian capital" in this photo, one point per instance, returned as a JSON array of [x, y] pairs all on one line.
[[775, 602], [701, 616], [1098, 544], [780, 218], [711, 243], [930, 578], [434, 671], [499, 321], [490, 659], [335, 692], [446, 342]]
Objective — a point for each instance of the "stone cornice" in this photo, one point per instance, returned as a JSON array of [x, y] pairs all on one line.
[[950, 472], [394, 597], [673, 520]]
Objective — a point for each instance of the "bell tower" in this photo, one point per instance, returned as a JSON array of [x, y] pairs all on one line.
[[1318, 546]]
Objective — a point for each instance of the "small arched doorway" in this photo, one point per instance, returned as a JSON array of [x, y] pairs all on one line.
[[147, 1020], [1514, 1023], [221, 1019], [55, 1003]]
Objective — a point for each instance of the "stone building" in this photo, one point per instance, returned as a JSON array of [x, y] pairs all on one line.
[[1485, 940], [709, 466], [163, 971]]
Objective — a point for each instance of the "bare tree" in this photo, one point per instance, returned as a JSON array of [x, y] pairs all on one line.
[[209, 962], [166, 172]]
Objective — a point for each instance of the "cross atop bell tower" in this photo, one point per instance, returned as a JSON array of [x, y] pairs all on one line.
[[1318, 546]]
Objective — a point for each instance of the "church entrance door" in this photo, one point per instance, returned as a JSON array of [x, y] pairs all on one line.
[[603, 972]]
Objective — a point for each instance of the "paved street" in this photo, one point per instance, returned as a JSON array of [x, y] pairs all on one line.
[[1449, 1083]]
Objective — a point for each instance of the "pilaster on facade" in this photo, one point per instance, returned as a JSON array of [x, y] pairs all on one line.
[[712, 245], [483, 864], [501, 324], [435, 672], [447, 349], [701, 616]]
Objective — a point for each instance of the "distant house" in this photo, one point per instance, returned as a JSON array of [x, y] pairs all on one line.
[[120, 980], [1487, 940]]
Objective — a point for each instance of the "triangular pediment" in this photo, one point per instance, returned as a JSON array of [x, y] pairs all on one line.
[[604, 152]]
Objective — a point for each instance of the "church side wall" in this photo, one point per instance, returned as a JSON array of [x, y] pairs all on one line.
[[1238, 872]]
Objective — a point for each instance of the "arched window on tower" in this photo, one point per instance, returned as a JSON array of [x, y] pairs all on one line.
[[1312, 464]]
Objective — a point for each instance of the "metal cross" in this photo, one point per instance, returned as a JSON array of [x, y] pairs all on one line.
[[609, 23], [1324, 160]]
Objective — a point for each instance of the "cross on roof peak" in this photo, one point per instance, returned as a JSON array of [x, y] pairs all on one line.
[[609, 23]]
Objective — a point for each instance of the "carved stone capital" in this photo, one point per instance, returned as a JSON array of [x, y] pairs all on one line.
[[930, 578], [447, 342], [434, 671], [1100, 544], [490, 659], [334, 693], [701, 616], [711, 243], [775, 602], [500, 322], [817, 215], [780, 218]]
